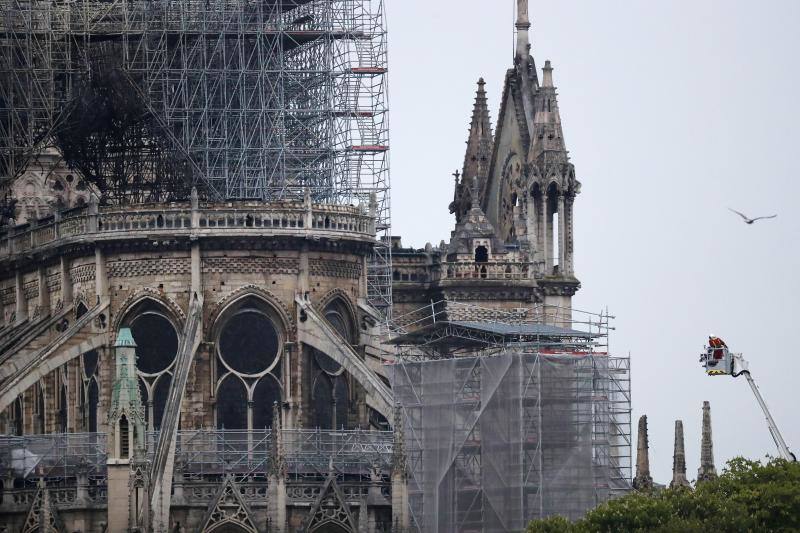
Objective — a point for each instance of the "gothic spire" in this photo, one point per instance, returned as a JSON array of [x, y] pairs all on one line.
[[479, 143], [523, 26], [707, 471], [548, 137], [679, 459], [643, 481], [478, 155]]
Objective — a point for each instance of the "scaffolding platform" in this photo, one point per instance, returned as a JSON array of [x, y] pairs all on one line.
[[510, 421]]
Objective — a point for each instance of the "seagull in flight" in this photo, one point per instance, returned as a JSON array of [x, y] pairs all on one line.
[[748, 220]]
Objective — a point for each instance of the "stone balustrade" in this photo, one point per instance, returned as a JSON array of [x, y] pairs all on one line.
[[500, 271], [109, 223]]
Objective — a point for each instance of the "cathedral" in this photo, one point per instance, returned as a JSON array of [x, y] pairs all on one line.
[[231, 361]]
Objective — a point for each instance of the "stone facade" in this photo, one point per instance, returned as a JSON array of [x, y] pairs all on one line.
[[259, 359], [73, 283], [513, 243]]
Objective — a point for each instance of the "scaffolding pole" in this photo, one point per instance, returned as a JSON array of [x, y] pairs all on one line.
[[262, 100]]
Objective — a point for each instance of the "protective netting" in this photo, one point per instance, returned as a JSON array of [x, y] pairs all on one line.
[[496, 441]]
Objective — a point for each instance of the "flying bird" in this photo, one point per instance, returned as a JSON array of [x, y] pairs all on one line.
[[748, 220]]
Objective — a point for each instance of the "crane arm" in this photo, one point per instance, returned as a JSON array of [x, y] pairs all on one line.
[[740, 367]]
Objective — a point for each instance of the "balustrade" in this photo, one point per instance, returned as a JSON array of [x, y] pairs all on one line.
[[179, 219], [488, 271]]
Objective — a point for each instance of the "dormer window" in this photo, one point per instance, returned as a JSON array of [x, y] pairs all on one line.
[[481, 254]]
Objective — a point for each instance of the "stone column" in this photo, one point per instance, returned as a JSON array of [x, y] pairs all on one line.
[[707, 471], [44, 293], [276, 477], [643, 481], [66, 283], [547, 235], [531, 221], [679, 459], [569, 237], [303, 272], [562, 232], [400, 511], [22, 302], [100, 275], [196, 260]]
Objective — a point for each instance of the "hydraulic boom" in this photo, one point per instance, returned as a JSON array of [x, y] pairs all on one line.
[[719, 361]]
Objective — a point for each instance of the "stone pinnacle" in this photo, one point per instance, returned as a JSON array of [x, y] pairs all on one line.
[[643, 481], [679, 459], [707, 471]]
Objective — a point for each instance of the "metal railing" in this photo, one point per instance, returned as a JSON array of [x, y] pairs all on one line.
[[202, 452], [53, 455]]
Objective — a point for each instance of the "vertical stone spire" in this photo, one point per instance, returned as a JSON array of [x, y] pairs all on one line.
[[547, 143], [643, 481], [126, 414], [679, 459], [478, 155], [523, 26], [707, 471]]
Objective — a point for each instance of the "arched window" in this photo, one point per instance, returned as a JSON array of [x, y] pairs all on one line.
[[62, 409], [156, 336], [39, 409], [248, 343], [160, 396], [265, 394], [148, 406], [89, 391], [330, 395], [338, 315], [93, 398], [481, 254], [156, 342], [18, 425], [124, 438], [249, 350], [231, 404], [323, 403]]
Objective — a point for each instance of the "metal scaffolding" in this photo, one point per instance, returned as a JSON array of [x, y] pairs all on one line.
[[509, 421], [260, 99], [204, 452]]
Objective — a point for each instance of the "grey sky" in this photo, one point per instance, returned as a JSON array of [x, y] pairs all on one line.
[[673, 110]]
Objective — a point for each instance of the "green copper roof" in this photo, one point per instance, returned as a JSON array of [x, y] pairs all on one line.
[[125, 338]]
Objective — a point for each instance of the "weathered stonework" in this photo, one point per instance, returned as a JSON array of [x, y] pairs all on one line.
[[195, 282]]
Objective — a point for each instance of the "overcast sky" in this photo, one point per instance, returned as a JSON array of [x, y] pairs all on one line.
[[673, 110]]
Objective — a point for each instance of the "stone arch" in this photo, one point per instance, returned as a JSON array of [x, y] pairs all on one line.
[[250, 366], [553, 186], [330, 396], [330, 512], [229, 512], [231, 526], [281, 310], [157, 324], [511, 193], [261, 311], [80, 306], [230, 402], [330, 526], [144, 295], [338, 299]]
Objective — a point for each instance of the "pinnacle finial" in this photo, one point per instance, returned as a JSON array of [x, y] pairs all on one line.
[[643, 480], [547, 74], [523, 26], [707, 471], [679, 459]]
